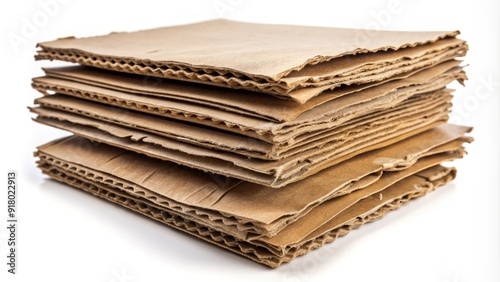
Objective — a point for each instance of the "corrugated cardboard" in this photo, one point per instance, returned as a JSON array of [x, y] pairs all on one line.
[[406, 190], [431, 103], [237, 101], [290, 228], [348, 211], [326, 115], [233, 54], [259, 212], [184, 125], [275, 174]]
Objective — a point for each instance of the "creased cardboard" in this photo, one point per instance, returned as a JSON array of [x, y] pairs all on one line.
[[268, 256], [275, 174], [324, 116], [262, 249], [206, 191], [431, 103], [291, 229], [196, 125], [274, 67], [239, 101]]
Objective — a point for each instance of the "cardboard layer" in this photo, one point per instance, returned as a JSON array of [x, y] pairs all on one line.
[[196, 125], [161, 180], [426, 105], [288, 230], [292, 57], [274, 174], [302, 95], [366, 210], [238, 101], [326, 115]]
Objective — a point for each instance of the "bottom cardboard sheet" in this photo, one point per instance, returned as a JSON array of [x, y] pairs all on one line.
[[246, 210], [275, 250]]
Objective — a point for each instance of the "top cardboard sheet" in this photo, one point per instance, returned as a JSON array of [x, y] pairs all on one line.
[[273, 59]]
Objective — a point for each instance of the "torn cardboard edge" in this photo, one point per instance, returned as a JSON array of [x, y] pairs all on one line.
[[237, 101], [324, 116], [106, 50], [307, 92], [235, 166], [283, 244], [290, 229], [211, 192], [62, 107], [246, 249]]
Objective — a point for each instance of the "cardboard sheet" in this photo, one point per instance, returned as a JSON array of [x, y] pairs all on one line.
[[196, 125], [264, 250], [326, 115], [274, 174], [237, 101], [161, 180], [292, 57], [291, 228], [431, 104]]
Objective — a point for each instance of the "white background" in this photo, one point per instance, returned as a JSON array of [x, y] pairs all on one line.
[[452, 235]]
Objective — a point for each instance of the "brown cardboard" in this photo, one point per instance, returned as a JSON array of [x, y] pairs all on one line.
[[162, 180], [285, 62], [184, 125], [431, 103], [325, 115], [302, 95], [262, 250], [238, 101], [291, 229], [257, 252], [275, 174]]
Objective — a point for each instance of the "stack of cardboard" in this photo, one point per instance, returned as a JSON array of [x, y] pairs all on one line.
[[267, 140]]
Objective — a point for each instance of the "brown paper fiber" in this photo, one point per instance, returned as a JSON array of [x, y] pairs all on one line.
[[431, 103], [325, 115], [214, 163], [275, 173], [224, 195], [291, 230], [292, 57], [369, 207], [196, 125], [237, 101]]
